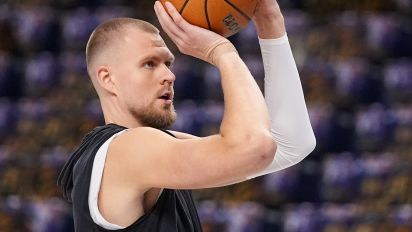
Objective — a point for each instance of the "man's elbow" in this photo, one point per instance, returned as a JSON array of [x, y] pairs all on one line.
[[266, 149], [306, 145], [299, 148], [259, 148]]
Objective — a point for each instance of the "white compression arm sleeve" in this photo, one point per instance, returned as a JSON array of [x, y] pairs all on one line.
[[290, 125]]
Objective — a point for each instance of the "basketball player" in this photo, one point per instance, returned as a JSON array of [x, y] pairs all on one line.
[[131, 174]]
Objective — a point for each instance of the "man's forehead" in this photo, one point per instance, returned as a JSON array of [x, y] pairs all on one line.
[[144, 38], [143, 44], [158, 41]]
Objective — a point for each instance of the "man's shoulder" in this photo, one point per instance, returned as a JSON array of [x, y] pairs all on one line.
[[105, 129], [145, 133], [93, 140], [150, 131], [82, 156]]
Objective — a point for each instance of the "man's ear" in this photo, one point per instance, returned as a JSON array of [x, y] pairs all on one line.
[[105, 79]]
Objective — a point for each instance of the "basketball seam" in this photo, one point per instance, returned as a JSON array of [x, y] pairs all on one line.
[[183, 7], [207, 16], [240, 11]]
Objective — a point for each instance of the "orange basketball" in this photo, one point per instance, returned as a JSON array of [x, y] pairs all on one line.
[[225, 17]]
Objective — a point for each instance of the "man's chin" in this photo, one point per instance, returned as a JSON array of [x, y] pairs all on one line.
[[167, 105], [160, 118], [162, 121]]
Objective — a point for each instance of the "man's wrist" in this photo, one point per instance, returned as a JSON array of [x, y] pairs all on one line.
[[218, 50], [271, 42], [227, 59], [270, 27]]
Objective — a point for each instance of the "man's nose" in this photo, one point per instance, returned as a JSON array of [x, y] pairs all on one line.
[[168, 75]]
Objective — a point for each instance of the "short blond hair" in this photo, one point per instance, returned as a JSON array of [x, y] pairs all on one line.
[[108, 31]]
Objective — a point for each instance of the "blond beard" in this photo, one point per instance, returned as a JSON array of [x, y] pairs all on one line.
[[156, 118]]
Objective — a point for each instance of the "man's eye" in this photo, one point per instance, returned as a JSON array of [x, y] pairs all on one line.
[[149, 64], [168, 64]]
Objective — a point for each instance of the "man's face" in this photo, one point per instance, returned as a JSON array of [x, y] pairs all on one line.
[[144, 81]]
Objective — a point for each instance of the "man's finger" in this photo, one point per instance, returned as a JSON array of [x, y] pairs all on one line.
[[167, 23], [177, 18]]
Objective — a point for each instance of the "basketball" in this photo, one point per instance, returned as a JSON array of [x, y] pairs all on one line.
[[225, 17]]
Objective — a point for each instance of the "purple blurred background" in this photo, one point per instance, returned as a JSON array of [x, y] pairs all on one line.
[[355, 61]]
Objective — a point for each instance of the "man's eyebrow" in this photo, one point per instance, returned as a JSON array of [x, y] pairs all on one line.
[[170, 58]]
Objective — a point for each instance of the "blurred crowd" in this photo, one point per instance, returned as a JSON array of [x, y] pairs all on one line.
[[355, 62]]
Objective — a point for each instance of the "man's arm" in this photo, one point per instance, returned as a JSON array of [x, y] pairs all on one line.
[[146, 158], [290, 125]]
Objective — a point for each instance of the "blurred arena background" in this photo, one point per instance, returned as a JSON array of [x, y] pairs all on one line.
[[355, 61]]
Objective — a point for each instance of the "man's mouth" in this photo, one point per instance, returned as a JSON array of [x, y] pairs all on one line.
[[167, 96]]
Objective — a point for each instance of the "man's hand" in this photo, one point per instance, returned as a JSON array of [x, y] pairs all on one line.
[[190, 39], [268, 20]]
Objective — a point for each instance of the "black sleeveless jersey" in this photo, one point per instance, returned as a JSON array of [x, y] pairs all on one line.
[[173, 211]]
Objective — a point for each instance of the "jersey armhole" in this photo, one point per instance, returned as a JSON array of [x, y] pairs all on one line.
[[95, 182]]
